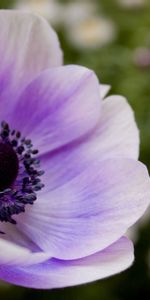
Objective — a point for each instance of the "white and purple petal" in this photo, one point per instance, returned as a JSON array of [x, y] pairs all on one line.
[[59, 273], [61, 105], [12, 254], [116, 135], [89, 212], [104, 89], [28, 45]]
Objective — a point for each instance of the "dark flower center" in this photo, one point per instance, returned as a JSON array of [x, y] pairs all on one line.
[[19, 173], [9, 166]]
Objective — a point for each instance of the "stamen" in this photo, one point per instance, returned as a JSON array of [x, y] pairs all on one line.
[[20, 177]]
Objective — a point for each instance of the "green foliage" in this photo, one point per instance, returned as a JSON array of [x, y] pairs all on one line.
[[6, 4]]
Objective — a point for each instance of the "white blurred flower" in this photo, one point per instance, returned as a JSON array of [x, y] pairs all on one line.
[[83, 27], [49, 9], [78, 11], [91, 32], [131, 3]]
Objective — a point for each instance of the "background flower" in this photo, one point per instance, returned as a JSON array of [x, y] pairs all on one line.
[[52, 10], [84, 28], [132, 3], [142, 57], [91, 32]]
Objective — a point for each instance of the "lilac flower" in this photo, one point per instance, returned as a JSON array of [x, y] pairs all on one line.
[[70, 182]]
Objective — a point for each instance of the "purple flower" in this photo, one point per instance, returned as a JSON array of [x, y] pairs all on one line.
[[70, 182]]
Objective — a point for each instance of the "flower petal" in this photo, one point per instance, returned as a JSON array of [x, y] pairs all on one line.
[[60, 105], [116, 135], [14, 255], [58, 273], [28, 44], [104, 89], [90, 211]]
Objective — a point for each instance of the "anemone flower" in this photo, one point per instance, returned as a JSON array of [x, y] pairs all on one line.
[[70, 182]]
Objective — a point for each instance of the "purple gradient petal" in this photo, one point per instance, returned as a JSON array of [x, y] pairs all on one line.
[[93, 193], [62, 104], [58, 273], [104, 89], [14, 255], [28, 45], [14, 235], [90, 211], [116, 136]]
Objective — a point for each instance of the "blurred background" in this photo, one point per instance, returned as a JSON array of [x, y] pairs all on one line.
[[112, 37]]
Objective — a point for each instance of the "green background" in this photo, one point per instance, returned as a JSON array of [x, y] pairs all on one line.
[[114, 65]]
